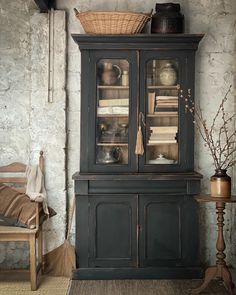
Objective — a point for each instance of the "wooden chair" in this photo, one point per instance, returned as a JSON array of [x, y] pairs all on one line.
[[32, 236]]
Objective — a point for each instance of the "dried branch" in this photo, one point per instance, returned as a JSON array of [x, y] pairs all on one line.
[[222, 146]]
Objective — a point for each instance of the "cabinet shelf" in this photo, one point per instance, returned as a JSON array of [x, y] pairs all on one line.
[[112, 116], [119, 87], [163, 87], [160, 143], [112, 144], [163, 114]]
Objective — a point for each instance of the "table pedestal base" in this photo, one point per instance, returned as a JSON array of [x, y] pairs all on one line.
[[220, 270], [217, 272]]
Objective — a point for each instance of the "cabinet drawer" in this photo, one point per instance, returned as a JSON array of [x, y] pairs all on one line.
[[140, 186]]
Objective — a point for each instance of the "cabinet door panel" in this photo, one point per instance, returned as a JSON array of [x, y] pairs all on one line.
[[160, 237], [113, 223]]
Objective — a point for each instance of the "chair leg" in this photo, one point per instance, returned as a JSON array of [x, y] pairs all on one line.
[[33, 271], [40, 250]]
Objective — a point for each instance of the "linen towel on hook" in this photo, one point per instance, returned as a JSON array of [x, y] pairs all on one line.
[[35, 188]]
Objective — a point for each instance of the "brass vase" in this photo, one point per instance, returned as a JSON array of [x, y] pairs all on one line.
[[221, 184]]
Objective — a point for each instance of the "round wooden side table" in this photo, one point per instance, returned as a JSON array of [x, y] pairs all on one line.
[[220, 270]]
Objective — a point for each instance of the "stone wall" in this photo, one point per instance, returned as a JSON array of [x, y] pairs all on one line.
[[29, 123]]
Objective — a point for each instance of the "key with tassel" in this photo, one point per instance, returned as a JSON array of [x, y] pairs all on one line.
[[139, 149]]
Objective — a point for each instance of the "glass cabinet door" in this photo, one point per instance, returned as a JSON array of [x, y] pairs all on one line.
[[162, 112], [112, 112], [112, 121]]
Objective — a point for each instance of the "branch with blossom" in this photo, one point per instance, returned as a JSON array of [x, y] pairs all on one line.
[[220, 141]]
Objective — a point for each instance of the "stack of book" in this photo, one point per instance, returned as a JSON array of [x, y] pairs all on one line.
[[166, 102], [113, 110], [113, 102], [163, 134], [113, 106]]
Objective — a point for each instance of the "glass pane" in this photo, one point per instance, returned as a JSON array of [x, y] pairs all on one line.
[[162, 106], [112, 112]]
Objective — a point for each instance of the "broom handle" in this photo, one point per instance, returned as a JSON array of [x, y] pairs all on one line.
[[70, 219]]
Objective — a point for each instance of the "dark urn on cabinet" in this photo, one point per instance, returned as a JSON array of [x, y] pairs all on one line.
[[168, 19], [135, 214]]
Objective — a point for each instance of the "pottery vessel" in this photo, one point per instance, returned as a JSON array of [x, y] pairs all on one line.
[[111, 74], [220, 184], [167, 19], [168, 75]]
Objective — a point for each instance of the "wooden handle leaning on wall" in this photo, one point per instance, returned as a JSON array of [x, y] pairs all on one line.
[[41, 161]]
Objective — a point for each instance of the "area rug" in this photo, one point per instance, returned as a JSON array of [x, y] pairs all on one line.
[[142, 287], [20, 285]]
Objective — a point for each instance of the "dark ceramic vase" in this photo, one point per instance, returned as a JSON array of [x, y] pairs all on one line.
[[221, 184], [167, 19]]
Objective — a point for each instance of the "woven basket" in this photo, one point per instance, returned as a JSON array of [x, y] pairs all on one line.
[[112, 22]]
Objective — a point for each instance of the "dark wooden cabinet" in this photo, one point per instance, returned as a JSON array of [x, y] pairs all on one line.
[[135, 213]]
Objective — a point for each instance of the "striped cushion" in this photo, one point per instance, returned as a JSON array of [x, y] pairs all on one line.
[[17, 208]]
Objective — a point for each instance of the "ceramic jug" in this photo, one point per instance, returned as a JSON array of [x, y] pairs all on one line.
[[111, 74]]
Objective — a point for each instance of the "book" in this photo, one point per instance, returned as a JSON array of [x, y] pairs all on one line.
[[162, 141], [164, 129], [159, 106], [151, 102], [163, 136], [114, 102], [166, 103], [166, 97], [166, 113], [166, 109], [112, 110]]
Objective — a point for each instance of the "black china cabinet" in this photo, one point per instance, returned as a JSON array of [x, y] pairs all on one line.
[[135, 211]]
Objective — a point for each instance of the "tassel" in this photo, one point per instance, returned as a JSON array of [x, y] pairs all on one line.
[[139, 150]]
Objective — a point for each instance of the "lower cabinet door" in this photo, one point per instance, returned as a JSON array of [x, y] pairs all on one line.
[[113, 230], [160, 230]]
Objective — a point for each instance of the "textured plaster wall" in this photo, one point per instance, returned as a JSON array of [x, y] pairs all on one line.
[[28, 123], [215, 71]]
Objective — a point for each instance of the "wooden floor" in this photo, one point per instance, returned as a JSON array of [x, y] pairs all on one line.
[[142, 287]]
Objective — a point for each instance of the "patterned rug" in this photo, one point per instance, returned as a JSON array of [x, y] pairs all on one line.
[[143, 287]]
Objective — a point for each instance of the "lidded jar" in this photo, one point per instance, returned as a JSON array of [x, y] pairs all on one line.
[[168, 19], [168, 75], [125, 78]]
